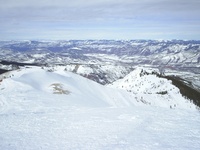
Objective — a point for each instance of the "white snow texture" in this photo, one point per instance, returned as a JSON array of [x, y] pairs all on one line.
[[60, 110]]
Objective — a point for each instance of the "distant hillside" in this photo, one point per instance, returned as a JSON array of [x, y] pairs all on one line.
[[3, 71], [186, 89]]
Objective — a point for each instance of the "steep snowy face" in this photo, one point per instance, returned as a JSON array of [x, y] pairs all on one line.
[[152, 89], [145, 81]]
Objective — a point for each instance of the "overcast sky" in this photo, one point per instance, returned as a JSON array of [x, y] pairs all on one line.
[[99, 19]]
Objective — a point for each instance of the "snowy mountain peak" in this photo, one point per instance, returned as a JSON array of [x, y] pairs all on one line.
[[152, 89]]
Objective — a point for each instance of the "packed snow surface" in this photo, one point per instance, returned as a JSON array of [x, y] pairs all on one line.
[[61, 110]]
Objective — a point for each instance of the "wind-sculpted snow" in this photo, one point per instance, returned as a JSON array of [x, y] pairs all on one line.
[[90, 115]]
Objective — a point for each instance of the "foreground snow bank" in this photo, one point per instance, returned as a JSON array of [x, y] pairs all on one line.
[[101, 128]]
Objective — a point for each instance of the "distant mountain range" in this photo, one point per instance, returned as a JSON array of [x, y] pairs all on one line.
[[105, 61], [166, 53]]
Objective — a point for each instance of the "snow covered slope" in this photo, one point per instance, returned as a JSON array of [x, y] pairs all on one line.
[[151, 89], [67, 87], [61, 110]]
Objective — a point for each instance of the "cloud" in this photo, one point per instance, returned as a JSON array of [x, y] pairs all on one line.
[[102, 9], [49, 15], [77, 9]]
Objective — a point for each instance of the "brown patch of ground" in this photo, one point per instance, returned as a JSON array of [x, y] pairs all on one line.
[[58, 89]]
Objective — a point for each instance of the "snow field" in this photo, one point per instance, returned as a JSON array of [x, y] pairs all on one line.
[[101, 128], [91, 116]]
